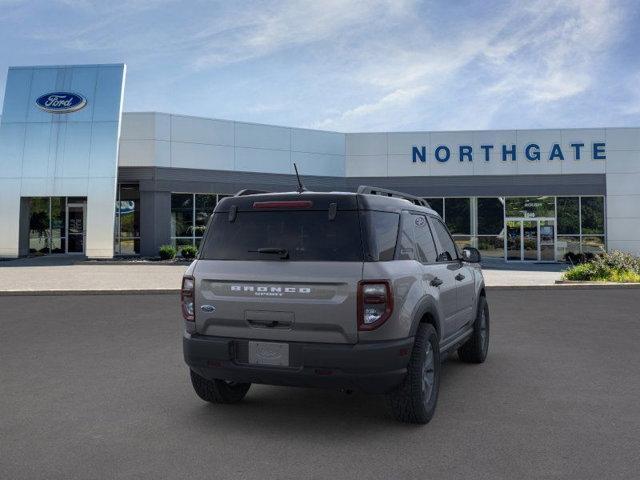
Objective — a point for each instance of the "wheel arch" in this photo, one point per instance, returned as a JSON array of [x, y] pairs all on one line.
[[427, 312]]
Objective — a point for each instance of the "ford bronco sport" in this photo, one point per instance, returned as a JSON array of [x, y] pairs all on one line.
[[356, 291]]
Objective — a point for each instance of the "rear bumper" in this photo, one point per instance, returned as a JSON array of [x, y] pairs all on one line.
[[375, 367]]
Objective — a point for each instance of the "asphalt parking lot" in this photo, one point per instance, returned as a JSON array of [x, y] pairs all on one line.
[[95, 387]]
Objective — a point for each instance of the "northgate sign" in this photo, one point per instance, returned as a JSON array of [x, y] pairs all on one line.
[[531, 152]]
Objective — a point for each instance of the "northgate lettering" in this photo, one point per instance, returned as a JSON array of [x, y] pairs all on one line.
[[531, 152]]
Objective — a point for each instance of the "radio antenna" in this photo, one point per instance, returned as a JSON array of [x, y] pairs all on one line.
[[300, 185]]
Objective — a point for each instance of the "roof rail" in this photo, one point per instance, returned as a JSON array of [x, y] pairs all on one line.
[[249, 191], [384, 192]]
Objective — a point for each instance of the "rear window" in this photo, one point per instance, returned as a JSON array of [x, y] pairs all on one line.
[[304, 235]]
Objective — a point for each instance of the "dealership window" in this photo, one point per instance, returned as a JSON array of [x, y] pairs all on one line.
[[592, 215], [592, 219], [490, 227], [41, 226], [189, 215], [48, 232], [530, 207], [568, 215], [127, 220], [457, 215], [490, 216], [580, 225], [479, 221], [437, 204]]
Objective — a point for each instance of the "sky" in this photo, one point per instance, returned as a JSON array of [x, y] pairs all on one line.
[[351, 65]]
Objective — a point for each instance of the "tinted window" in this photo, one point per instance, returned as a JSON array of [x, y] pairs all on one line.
[[384, 233], [490, 216], [568, 216], [447, 250], [592, 215], [305, 235], [406, 250], [436, 204], [181, 214], [457, 212], [426, 249]]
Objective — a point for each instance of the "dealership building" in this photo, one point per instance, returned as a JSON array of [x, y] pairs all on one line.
[[79, 176]]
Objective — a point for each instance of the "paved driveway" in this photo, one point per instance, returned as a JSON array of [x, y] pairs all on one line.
[[94, 387]]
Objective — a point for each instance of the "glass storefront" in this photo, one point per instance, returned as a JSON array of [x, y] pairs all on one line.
[[57, 225], [541, 228], [127, 226], [189, 215]]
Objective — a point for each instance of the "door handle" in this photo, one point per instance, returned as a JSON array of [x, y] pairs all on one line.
[[436, 282], [460, 277]]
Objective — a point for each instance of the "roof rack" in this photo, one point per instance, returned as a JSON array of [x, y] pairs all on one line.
[[249, 191], [368, 190]]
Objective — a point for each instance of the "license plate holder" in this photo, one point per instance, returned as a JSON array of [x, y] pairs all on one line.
[[269, 353]]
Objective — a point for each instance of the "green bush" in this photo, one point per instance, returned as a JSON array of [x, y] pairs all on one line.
[[607, 267], [188, 252], [617, 260], [167, 252]]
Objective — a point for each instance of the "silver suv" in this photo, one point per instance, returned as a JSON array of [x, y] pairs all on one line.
[[356, 291]]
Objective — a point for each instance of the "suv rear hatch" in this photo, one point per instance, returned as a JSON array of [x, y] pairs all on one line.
[[281, 267]]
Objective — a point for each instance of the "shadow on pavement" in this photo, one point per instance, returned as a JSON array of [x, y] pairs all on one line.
[[44, 261]]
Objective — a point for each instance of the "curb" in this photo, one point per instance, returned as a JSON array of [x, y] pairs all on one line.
[[566, 286], [23, 293], [179, 263]]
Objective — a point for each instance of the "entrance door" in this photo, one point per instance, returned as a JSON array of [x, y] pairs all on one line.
[[75, 227], [513, 248], [530, 240], [547, 240]]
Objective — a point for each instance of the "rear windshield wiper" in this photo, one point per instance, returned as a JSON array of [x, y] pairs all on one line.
[[284, 254]]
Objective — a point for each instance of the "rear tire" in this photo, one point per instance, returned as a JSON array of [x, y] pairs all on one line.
[[476, 348], [415, 399], [218, 391]]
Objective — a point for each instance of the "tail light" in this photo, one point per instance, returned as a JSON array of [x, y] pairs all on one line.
[[284, 204], [186, 298], [375, 303]]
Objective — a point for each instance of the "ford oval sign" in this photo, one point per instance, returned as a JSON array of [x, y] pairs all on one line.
[[61, 102]]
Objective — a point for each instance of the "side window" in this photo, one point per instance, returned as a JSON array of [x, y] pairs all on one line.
[[447, 250], [384, 233], [426, 248], [406, 250]]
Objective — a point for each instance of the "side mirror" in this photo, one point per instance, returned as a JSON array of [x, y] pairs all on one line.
[[471, 255]]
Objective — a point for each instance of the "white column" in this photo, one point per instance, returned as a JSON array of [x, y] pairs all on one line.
[[623, 189]]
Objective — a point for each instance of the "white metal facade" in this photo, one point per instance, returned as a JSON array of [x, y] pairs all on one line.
[[164, 140]]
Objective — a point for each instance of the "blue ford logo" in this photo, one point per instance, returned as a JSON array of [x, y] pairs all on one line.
[[61, 102]]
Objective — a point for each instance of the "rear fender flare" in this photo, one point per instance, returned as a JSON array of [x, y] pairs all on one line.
[[426, 306]]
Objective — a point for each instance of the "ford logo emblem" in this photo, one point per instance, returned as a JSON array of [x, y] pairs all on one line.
[[61, 102]]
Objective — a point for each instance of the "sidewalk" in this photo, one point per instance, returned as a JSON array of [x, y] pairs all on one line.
[[64, 274], [67, 274], [498, 273]]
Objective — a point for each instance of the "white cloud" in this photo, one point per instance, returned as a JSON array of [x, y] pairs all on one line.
[[286, 24], [352, 64], [534, 55]]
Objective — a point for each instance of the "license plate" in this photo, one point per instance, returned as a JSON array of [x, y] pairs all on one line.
[[269, 353]]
